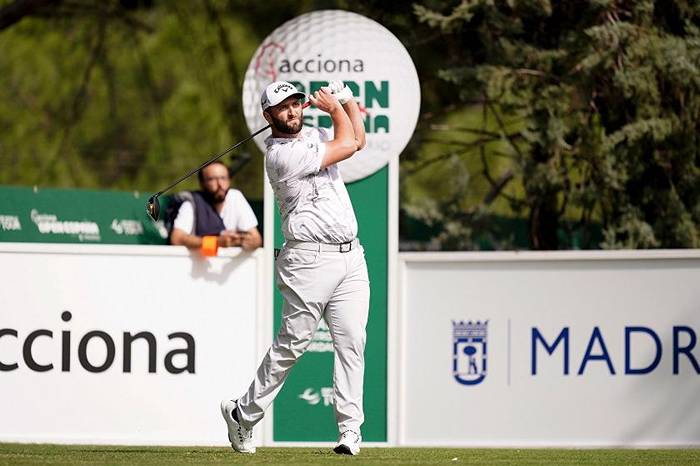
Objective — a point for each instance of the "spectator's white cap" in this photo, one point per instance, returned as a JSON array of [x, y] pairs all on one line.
[[278, 91]]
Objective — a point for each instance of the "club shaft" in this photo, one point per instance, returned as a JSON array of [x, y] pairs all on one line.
[[216, 157], [211, 160]]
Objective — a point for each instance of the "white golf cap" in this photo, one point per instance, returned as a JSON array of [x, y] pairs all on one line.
[[278, 91]]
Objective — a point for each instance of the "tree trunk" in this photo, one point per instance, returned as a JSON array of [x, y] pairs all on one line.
[[543, 223]]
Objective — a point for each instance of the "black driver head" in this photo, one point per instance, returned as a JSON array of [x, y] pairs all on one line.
[[153, 207]]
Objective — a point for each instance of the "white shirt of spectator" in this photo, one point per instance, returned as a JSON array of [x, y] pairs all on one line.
[[314, 203], [236, 214]]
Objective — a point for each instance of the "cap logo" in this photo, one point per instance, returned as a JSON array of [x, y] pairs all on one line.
[[283, 87]]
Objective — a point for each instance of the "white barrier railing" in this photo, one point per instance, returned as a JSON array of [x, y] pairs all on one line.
[[137, 344], [549, 349], [125, 344]]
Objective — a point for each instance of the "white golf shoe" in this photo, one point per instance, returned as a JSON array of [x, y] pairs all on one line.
[[348, 443], [241, 438]]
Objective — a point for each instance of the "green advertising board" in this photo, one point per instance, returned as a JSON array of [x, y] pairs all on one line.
[[307, 393], [38, 215]]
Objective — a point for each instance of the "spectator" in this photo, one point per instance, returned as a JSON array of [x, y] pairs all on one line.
[[217, 212]]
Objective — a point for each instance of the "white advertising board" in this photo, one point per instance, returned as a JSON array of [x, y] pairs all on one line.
[[123, 344], [550, 349]]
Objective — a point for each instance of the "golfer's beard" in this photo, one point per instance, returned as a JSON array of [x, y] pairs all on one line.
[[286, 127]]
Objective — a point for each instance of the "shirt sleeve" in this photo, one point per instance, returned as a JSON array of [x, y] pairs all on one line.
[[245, 217], [298, 159], [185, 218]]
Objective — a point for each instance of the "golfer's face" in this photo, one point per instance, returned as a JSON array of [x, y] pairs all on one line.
[[287, 115], [215, 181]]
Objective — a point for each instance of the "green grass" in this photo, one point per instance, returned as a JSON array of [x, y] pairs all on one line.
[[13, 453]]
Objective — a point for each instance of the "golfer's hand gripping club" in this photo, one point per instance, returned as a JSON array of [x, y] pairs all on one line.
[[341, 91]]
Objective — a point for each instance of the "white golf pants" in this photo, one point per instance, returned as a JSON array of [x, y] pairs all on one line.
[[317, 284]]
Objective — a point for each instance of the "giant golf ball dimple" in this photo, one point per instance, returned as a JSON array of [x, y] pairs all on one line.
[[322, 46]]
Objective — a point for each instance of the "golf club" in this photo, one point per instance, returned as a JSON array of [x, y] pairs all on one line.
[[153, 204]]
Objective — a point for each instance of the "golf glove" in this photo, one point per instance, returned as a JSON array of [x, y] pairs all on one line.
[[341, 91]]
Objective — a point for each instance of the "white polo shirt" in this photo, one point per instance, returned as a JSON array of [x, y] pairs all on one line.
[[314, 204], [236, 214]]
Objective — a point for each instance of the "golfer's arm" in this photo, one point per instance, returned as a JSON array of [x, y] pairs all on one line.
[[344, 144], [180, 238], [358, 125]]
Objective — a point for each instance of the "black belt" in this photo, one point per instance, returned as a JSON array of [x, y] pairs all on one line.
[[326, 247]]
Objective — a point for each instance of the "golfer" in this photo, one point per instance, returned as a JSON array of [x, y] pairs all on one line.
[[321, 270]]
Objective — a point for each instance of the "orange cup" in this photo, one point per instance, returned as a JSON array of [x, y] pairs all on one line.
[[210, 246]]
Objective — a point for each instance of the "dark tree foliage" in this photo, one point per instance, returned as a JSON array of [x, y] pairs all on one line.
[[578, 119], [607, 98]]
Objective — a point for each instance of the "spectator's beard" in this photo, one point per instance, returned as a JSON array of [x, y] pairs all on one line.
[[215, 197], [286, 127]]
